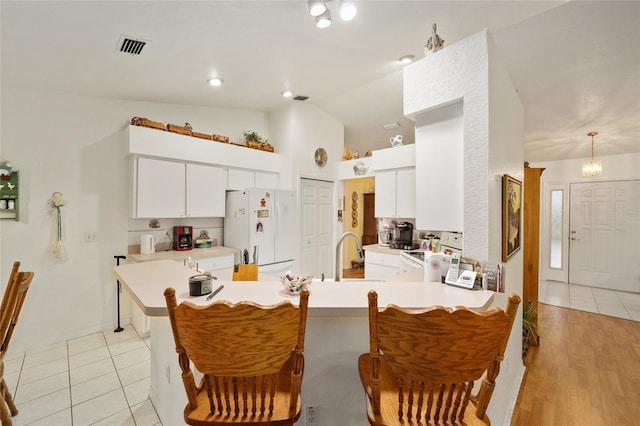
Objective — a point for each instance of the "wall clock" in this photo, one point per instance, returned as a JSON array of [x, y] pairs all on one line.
[[321, 157]]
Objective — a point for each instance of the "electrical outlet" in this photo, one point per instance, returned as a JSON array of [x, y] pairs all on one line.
[[90, 237], [311, 415]]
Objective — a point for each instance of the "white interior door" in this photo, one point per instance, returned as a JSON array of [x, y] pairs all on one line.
[[316, 227], [604, 235]]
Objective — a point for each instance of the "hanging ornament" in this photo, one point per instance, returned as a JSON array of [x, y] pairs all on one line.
[[58, 248]]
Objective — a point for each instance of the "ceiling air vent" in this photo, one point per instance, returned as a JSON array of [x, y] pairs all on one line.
[[130, 45], [300, 98]]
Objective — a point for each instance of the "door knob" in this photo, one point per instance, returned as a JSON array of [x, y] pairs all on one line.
[[575, 239]]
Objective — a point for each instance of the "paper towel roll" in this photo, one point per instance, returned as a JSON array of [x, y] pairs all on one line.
[[432, 263]]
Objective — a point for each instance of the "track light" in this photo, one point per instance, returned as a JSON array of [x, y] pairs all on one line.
[[317, 7], [347, 10], [324, 20]]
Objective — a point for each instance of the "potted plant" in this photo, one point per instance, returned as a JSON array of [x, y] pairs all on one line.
[[254, 140], [530, 333]]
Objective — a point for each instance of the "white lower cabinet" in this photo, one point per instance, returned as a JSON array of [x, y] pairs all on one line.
[[139, 321], [220, 267], [381, 266]]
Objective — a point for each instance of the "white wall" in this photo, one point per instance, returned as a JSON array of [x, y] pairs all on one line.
[[471, 72], [302, 128], [558, 175], [76, 146]]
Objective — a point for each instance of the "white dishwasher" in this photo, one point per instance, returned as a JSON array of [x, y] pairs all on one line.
[[412, 259]]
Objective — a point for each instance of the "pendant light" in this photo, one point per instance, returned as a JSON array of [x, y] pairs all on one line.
[[592, 168]]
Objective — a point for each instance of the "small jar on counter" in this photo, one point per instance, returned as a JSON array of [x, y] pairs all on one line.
[[435, 244]]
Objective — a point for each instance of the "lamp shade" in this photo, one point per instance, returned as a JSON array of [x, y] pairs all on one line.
[[317, 7], [324, 20], [348, 10], [591, 167]]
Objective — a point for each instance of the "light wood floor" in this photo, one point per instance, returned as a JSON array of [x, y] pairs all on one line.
[[585, 372], [353, 273]]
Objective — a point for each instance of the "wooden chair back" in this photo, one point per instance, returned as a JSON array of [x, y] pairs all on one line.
[[12, 301], [422, 364], [11, 306], [251, 358]]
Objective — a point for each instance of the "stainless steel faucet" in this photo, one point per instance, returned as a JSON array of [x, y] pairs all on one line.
[[358, 248]]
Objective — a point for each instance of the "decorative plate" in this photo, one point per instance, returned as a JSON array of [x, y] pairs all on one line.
[[321, 157]]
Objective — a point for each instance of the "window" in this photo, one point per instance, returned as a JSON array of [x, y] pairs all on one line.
[[556, 229]]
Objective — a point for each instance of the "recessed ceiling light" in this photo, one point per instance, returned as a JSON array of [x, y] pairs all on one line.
[[406, 59], [287, 93], [215, 81]]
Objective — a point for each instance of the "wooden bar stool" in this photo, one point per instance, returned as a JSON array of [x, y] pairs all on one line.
[[422, 364], [12, 302], [250, 356]]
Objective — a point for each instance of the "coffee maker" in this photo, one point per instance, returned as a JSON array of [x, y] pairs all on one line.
[[404, 236], [182, 238]]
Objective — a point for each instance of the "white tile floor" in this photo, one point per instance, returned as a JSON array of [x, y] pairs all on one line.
[[99, 379], [606, 302], [103, 378]]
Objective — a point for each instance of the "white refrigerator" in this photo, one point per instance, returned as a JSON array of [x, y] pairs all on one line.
[[265, 223]]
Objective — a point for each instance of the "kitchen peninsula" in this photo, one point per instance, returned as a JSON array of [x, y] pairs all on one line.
[[337, 330]]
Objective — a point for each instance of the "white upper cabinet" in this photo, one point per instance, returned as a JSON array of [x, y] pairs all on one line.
[[205, 191], [395, 175], [159, 189], [240, 179], [396, 193], [172, 189], [244, 179], [406, 193], [440, 165]]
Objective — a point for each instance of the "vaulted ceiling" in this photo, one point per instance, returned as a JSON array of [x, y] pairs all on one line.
[[576, 65]]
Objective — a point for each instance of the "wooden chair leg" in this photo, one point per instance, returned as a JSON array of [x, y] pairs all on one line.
[[4, 413], [8, 398]]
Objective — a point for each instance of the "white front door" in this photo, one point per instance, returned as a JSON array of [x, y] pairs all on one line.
[[316, 227], [604, 235]]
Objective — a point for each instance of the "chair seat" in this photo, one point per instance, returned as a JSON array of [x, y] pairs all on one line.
[[389, 401]]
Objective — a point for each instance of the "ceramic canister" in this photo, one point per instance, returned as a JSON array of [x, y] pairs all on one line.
[[200, 285]]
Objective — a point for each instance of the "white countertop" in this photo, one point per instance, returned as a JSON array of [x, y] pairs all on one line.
[[147, 281], [196, 253], [381, 249]]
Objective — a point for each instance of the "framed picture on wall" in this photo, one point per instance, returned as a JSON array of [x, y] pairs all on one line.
[[511, 216]]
